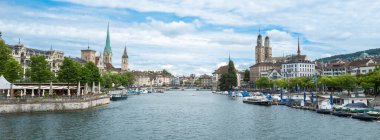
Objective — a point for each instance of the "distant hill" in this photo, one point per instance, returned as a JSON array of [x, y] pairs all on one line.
[[351, 56]]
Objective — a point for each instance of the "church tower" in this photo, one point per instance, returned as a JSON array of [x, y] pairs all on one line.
[[124, 60], [107, 55], [259, 49], [268, 49], [298, 50], [88, 55]]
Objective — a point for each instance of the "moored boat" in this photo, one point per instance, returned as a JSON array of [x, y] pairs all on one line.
[[116, 97], [373, 113], [323, 111], [341, 114], [257, 100], [364, 117], [356, 108]]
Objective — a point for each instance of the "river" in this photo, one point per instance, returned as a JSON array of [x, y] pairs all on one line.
[[184, 115]]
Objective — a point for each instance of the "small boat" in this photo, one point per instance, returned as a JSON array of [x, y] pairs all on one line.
[[116, 97], [356, 108], [257, 100], [323, 111], [373, 113], [364, 117], [341, 114]]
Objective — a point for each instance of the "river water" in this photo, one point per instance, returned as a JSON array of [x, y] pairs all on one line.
[[180, 115]]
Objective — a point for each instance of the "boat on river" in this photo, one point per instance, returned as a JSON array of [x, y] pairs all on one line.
[[257, 100], [356, 108], [364, 117], [117, 97], [373, 113], [324, 111], [341, 114]]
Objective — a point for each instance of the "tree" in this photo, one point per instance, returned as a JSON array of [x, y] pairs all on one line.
[[69, 71], [263, 82], [246, 75], [281, 83], [228, 80], [166, 72], [5, 55], [346, 82], [40, 70], [94, 75], [12, 70], [374, 78]]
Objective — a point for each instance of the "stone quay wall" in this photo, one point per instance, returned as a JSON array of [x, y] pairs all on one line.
[[50, 105]]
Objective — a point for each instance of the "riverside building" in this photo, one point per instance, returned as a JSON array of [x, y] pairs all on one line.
[[298, 66]]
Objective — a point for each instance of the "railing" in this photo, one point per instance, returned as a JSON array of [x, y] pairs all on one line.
[[28, 99]]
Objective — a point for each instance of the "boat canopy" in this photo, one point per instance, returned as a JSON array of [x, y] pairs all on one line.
[[356, 105]]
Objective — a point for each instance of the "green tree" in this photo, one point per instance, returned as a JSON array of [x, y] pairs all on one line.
[[246, 75], [69, 72], [374, 78], [263, 82], [12, 71], [40, 70], [346, 82], [94, 74], [228, 80], [282, 83], [5, 55], [166, 72]]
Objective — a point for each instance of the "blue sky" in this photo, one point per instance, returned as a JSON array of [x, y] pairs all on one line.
[[192, 36]]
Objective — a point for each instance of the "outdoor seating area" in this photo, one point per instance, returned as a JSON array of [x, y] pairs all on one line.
[[33, 90]]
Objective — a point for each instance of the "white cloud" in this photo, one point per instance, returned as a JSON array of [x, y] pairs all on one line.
[[330, 26]]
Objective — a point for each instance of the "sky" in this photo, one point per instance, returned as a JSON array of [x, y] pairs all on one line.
[[192, 36]]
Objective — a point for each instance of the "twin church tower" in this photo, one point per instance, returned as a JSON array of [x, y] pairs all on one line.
[[263, 52], [104, 62]]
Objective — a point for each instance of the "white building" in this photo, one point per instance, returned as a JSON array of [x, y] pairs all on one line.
[[297, 66]]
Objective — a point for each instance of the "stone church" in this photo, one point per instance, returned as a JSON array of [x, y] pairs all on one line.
[[265, 63], [104, 61]]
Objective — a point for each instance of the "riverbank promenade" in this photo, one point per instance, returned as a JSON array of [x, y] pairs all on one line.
[[49, 104]]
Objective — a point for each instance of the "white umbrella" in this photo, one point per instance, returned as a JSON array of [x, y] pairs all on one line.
[[32, 92], [51, 88], [86, 89], [8, 93], [43, 92], [78, 89], [99, 88], [93, 87], [68, 91]]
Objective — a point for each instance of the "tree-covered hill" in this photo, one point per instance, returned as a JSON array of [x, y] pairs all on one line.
[[351, 56]]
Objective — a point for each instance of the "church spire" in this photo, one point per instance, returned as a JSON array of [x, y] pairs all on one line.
[[298, 51], [108, 41], [125, 55], [229, 56]]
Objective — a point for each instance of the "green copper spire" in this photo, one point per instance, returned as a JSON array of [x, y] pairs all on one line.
[[108, 42]]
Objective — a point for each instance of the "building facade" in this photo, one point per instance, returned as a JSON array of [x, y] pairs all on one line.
[[104, 60], [23, 54], [298, 66]]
